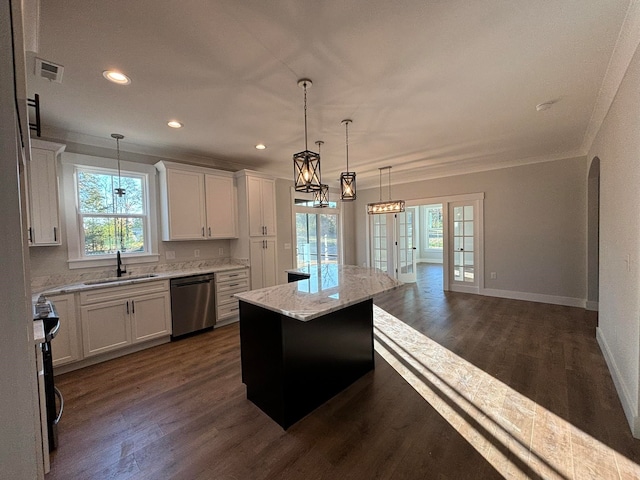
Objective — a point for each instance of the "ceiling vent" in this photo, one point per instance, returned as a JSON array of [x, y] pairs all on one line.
[[49, 70]]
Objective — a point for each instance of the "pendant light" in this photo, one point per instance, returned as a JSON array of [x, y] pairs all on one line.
[[321, 197], [389, 206], [347, 179], [306, 164], [119, 191]]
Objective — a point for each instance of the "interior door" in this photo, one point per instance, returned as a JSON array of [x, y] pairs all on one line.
[[380, 243], [464, 247], [406, 245]]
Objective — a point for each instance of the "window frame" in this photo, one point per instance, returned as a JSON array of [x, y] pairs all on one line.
[[71, 162], [425, 219]]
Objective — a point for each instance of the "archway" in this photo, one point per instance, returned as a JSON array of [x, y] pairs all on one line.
[[593, 233]]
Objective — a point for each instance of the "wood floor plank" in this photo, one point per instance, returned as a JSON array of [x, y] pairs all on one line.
[[179, 410]]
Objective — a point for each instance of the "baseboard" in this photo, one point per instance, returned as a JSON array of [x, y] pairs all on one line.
[[592, 306], [534, 297], [628, 405]]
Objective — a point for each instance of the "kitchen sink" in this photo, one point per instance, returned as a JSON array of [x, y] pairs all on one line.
[[124, 278]]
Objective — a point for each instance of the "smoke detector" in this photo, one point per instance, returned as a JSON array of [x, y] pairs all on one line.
[[49, 70]]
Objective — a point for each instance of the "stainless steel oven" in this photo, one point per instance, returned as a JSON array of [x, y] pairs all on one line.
[[45, 310]]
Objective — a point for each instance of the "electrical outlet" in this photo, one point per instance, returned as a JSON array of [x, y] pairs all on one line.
[[494, 275], [220, 252], [170, 255], [287, 246], [196, 253]]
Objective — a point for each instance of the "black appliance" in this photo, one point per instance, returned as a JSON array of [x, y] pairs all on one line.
[[45, 310]]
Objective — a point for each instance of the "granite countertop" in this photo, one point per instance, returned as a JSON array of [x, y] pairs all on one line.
[[133, 279], [329, 288]]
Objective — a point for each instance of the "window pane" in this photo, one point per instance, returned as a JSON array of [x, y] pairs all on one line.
[[329, 238], [96, 193], [468, 244], [468, 212], [106, 235]]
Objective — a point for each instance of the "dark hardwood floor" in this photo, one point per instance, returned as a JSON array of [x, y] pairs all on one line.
[[178, 411]]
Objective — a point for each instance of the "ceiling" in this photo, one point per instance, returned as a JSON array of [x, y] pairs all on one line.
[[433, 86]]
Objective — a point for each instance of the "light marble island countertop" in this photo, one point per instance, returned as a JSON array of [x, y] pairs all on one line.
[[329, 288]]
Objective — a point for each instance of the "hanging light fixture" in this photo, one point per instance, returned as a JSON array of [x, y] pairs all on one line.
[[389, 206], [306, 164], [321, 197], [347, 179], [119, 190]]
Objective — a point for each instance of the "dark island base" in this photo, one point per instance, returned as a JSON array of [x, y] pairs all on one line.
[[291, 367]]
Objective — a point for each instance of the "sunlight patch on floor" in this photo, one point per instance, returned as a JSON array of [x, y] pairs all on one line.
[[518, 437]]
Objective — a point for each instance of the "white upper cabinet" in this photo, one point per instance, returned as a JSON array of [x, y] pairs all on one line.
[[222, 215], [42, 186], [261, 201], [196, 203]]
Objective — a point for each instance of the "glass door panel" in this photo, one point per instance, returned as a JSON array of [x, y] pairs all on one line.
[[405, 241], [462, 225]]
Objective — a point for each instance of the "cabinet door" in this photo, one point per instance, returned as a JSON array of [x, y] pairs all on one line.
[[269, 206], [65, 348], [150, 316], [105, 327], [186, 205], [254, 199], [269, 264], [43, 198], [263, 263], [221, 207]]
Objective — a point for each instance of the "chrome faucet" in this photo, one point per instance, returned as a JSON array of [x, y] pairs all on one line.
[[120, 270]]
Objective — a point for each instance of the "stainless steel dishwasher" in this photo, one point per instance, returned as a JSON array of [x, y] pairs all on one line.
[[192, 304]]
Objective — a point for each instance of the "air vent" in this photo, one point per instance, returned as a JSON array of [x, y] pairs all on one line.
[[49, 70]]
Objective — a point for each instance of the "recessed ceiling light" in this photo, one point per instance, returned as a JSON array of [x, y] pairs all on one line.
[[545, 106], [116, 77], [261, 146], [175, 124]]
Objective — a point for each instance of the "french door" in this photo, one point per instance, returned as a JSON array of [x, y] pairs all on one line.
[[464, 247], [393, 244], [405, 244]]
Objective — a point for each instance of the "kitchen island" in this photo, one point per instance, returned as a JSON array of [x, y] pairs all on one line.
[[304, 342]]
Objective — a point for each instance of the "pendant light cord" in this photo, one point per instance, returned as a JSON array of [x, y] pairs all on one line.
[[346, 126], [305, 116], [118, 154]]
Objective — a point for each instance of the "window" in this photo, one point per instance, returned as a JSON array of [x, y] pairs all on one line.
[[433, 224], [317, 232], [109, 223], [99, 223]]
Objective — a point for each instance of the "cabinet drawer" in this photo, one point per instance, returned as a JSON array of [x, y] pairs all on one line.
[[231, 275], [228, 297], [230, 310], [123, 291], [233, 286]]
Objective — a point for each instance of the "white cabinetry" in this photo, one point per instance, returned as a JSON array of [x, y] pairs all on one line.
[[115, 317], [196, 203], [263, 262], [262, 209], [257, 227], [65, 347], [42, 185], [229, 283]]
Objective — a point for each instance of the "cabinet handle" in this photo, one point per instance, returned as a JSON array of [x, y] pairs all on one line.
[[203, 231], [133, 306], [234, 308], [209, 231], [30, 234], [234, 284], [234, 275], [55, 234], [127, 307]]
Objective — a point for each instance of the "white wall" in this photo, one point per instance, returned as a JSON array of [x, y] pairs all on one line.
[[534, 224], [617, 145]]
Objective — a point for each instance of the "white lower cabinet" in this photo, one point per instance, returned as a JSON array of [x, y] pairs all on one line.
[[65, 347], [115, 317], [229, 283], [263, 262]]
